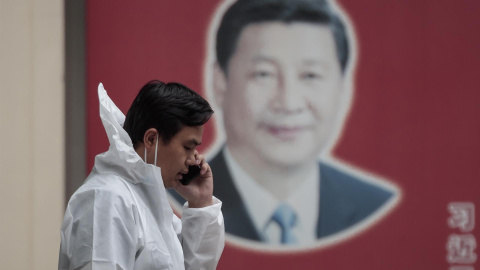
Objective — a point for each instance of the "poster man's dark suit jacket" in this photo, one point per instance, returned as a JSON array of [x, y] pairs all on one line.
[[344, 200]]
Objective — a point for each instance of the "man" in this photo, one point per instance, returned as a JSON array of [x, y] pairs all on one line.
[[280, 78], [120, 218]]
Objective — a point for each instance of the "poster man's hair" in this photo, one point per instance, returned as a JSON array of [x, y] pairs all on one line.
[[245, 12]]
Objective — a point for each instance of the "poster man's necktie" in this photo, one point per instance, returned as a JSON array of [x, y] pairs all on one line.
[[285, 217]]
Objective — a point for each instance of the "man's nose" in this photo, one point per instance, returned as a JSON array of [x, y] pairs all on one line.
[[192, 158], [288, 98]]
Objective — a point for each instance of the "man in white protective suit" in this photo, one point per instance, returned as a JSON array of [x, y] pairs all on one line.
[[120, 218]]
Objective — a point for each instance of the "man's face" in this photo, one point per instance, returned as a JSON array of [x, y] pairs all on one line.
[[282, 91], [175, 157]]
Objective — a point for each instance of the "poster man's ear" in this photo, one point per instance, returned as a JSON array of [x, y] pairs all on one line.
[[219, 84]]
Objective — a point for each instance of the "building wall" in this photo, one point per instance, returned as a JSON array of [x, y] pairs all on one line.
[[32, 133]]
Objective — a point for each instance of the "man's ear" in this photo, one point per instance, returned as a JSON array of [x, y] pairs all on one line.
[[219, 84], [149, 138]]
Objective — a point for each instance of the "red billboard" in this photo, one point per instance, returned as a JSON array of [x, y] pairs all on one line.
[[360, 116]]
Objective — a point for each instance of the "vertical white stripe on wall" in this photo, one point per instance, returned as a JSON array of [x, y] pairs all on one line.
[[15, 140], [32, 132], [48, 142]]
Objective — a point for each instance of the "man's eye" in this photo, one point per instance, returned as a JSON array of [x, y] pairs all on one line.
[[311, 75], [187, 148], [262, 74]]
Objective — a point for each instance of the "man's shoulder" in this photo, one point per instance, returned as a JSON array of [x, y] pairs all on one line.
[[342, 182], [349, 195], [102, 187], [349, 177], [333, 174]]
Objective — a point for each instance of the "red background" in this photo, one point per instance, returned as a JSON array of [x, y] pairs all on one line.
[[414, 120]]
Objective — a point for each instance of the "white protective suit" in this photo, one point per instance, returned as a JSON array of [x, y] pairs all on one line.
[[120, 218]]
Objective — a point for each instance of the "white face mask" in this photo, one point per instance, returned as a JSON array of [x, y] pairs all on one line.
[[156, 146]]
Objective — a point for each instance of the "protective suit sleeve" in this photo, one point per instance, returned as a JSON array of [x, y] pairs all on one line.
[[98, 232], [203, 236]]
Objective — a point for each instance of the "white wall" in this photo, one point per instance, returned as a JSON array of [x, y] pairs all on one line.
[[31, 132]]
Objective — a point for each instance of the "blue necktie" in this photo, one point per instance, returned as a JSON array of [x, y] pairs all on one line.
[[285, 217]]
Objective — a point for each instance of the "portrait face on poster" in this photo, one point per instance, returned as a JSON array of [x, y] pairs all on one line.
[[280, 76], [280, 92]]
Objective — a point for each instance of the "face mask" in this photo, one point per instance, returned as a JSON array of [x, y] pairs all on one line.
[[156, 146]]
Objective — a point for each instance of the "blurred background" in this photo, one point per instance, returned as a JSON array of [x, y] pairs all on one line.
[[414, 119]]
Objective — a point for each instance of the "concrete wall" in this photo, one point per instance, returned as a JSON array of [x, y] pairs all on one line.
[[32, 132]]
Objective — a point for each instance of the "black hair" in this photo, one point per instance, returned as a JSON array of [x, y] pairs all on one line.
[[245, 12], [167, 107]]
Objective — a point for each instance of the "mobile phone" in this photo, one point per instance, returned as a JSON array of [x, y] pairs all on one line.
[[193, 172]]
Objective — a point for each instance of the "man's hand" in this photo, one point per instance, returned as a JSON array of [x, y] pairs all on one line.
[[199, 192]]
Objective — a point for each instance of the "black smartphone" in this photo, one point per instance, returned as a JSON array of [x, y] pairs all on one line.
[[193, 172]]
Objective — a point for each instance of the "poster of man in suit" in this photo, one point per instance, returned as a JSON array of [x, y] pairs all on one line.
[[280, 74], [339, 141]]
